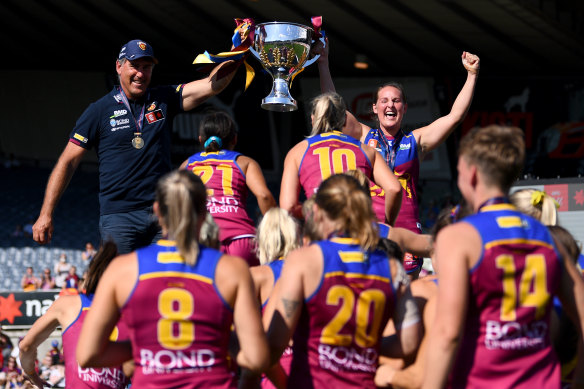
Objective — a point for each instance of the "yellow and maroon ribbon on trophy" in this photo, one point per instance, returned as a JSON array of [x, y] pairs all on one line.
[[242, 39], [316, 22]]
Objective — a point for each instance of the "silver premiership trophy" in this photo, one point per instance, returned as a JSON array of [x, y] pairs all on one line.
[[283, 49]]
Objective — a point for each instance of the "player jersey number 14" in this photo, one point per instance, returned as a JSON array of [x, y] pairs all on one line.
[[530, 291]]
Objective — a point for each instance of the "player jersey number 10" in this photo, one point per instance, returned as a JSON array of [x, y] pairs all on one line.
[[326, 168], [206, 172], [343, 296]]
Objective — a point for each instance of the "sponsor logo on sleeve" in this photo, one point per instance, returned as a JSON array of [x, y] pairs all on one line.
[[80, 138]]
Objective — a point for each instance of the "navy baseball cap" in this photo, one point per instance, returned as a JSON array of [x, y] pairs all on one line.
[[137, 49]]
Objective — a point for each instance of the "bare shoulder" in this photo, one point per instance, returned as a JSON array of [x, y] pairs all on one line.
[[364, 131], [303, 255], [304, 261], [70, 306], [122, 265], [232, 275], [458, 231], [120, 276], [297, 151], [230, 269], [459, 241], [244, 161], [261, 274], [424, 287]]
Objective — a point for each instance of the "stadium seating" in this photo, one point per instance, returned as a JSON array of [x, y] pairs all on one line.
[[76, 222]]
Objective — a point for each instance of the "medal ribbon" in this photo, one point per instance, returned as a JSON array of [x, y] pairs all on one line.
[[242, 39], [493, 201], [140, 121], [394, 147], [389, 153]]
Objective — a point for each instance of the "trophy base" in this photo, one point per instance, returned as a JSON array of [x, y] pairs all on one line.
[[279, 104]]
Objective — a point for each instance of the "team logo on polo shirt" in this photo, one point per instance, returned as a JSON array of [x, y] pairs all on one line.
[[154, 116], [142, 45], [152, 107]]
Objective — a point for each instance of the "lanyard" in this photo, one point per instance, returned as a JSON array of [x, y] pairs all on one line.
[[391, 151], [493, 201], [394, 147], [140, 121]]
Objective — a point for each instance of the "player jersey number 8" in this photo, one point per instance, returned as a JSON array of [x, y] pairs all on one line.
[[175, 329]]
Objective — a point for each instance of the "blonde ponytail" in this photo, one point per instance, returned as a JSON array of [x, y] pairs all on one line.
[[329, 113], [181, 197], [536, 204]]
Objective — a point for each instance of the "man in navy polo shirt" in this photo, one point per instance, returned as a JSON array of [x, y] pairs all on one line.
[[130, 129]]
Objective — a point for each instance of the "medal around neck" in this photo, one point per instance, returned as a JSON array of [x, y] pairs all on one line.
[[138, 142]]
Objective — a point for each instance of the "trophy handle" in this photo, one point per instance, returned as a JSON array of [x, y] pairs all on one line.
[[254, 52], [313, 59]]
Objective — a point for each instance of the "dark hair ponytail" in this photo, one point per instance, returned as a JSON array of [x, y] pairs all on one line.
[[217, 131]]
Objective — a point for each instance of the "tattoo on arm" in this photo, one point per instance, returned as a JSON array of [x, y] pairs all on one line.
[[290, 307]]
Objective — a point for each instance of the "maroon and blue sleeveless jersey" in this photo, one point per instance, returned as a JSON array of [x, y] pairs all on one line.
[[327, 154], [226, 192], [90, 378], [377, 201], [506, 341], [178, 322], [286, 358], [337, 339], [407, 170]]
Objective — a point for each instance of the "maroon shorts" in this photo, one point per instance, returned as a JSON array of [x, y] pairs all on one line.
[[243, 248]]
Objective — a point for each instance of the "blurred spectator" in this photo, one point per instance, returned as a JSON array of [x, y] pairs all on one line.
[[89, 252], [45, 366], [27, 229], [6, 346], [81, 287], [17, 381], [18, 232], [47, 280], [29, 282], [72, 280], [61, 270], [55, 353], [54, 374], [11, 367]]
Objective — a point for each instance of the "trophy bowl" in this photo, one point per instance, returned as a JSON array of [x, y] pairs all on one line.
[[282, 49]]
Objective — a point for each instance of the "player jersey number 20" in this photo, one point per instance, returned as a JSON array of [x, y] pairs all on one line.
[[175, 329], [366, 325]]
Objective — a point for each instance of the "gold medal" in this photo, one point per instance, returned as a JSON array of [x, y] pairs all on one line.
[[138, 142]]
